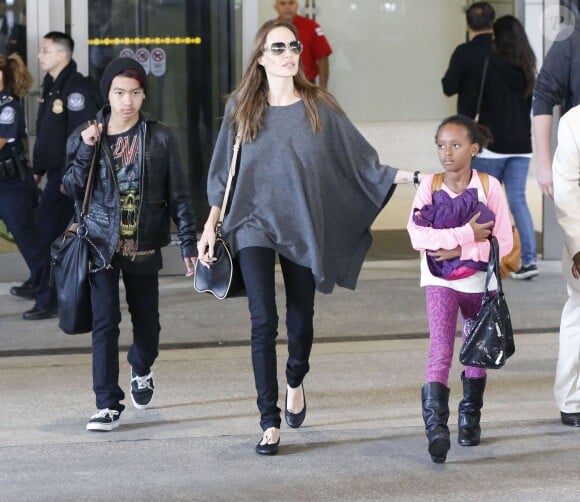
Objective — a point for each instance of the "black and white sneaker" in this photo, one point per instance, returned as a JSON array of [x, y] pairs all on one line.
[[104, 421], [525, 272], [142, 390]]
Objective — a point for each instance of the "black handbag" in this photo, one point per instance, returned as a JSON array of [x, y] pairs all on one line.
[[490, 339], [223, 277], [71, 266]]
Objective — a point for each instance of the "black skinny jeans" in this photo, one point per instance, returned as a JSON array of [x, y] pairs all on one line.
[[142, 294], [257, 266]]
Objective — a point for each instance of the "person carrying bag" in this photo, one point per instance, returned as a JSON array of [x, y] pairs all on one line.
[[139, 187], [71, 265], [463, 243]]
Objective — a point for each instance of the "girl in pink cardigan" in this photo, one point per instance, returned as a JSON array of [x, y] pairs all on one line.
[[458, 140]]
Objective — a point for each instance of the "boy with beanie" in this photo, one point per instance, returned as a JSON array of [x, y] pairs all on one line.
[[140, 186]]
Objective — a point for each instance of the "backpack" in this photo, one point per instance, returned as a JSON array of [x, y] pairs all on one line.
[[438, 181]]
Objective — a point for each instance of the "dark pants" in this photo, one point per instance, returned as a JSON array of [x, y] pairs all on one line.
[[54, 214], [16, 210], [257, 266], [142, 295]]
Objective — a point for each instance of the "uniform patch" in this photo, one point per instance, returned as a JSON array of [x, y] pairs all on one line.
[[57, 106], [75, 102], [319, 32], [7, 115]]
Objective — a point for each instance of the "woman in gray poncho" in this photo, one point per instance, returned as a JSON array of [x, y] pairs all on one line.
[[308, 188]]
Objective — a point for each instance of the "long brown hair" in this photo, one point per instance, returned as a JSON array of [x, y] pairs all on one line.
[[511, 43], [251, 95], [17, 78]]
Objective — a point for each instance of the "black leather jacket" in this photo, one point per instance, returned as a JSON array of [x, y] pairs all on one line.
[[165, 191]]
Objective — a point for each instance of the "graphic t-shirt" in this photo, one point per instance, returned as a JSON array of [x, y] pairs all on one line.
[[125, 150]]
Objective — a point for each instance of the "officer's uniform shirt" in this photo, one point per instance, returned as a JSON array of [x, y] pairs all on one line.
[[12, 125], [67, 101]]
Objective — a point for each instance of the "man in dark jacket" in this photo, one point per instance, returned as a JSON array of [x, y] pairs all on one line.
[[463, 76], [140, 185], [558, 83], [68, 99]]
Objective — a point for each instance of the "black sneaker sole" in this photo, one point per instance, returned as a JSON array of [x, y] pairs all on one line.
[[525, 275]]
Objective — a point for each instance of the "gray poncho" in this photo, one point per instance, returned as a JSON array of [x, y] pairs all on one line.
[[310, 197]]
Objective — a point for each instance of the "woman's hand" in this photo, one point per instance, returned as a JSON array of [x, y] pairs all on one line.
[[481, 231], [205, 245], [445, 254]]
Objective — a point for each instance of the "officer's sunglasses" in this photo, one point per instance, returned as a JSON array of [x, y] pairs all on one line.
[[278, 48]]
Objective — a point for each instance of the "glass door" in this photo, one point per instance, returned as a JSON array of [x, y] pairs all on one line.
[[191, 50], [187, 49]]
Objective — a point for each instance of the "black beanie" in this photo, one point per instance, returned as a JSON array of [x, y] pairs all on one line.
[[117, 66]]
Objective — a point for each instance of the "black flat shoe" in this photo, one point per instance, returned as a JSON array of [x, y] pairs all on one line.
[[26, 290], [571, 419], [267, 448], [40, 313], [295, 420]]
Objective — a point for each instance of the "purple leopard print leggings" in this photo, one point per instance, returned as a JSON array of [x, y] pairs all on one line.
[[443, 306]]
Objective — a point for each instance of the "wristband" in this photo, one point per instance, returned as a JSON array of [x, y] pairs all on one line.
[[416, 178]]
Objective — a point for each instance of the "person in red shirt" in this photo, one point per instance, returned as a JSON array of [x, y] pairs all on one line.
[[316, 47]]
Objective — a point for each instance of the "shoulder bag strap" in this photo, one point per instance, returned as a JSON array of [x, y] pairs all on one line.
[[480, 96], [484, 178], [493, 266], [91, 177], [81, 230], [231, 175]]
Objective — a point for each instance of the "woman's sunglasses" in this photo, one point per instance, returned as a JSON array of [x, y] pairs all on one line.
[[278, 48]]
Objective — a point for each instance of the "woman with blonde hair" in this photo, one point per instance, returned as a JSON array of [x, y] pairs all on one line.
[[308, 188], [17, 187]]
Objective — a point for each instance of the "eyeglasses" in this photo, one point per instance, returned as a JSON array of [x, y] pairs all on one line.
[[48, 51], [279, 48]]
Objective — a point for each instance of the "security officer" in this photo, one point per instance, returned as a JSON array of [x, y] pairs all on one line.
[[17, 188], [68, 99]]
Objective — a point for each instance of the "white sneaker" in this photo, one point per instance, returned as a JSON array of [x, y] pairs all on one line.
[[105, 420]]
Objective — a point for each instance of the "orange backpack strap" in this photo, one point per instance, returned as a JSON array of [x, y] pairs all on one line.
[[437, 182], [484, 178]]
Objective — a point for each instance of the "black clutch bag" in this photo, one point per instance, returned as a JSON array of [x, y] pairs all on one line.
[[223, 278], [490, 339]]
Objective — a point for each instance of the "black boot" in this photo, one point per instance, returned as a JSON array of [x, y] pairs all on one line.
[[435, 397], [470, 410]]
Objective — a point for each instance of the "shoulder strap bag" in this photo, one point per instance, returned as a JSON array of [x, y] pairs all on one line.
[[223, 278], [71, 266], [481, 85], [490, 339]]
